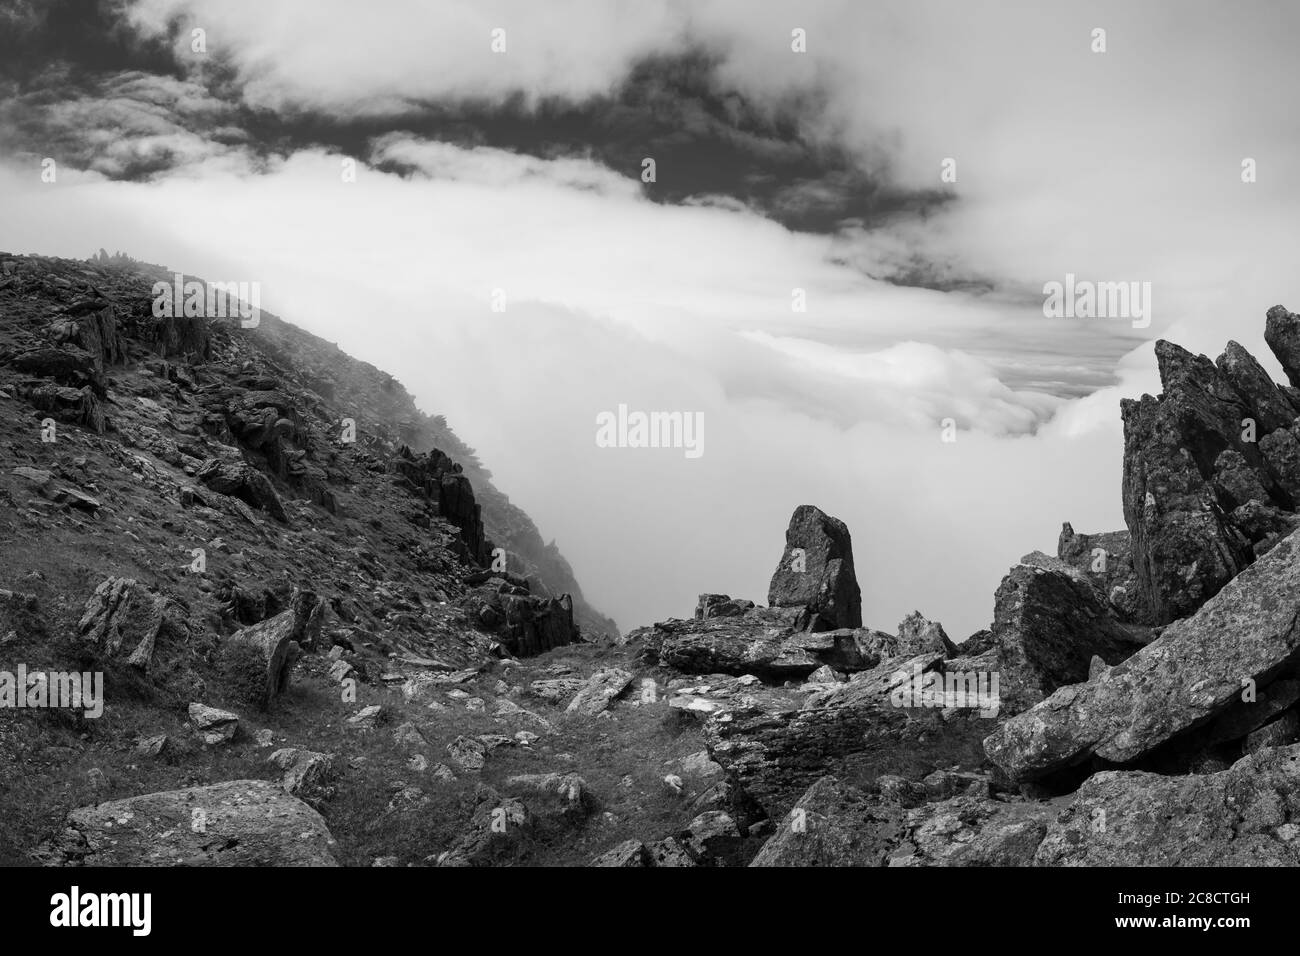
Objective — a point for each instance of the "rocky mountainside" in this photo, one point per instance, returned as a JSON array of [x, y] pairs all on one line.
[[311, 649]]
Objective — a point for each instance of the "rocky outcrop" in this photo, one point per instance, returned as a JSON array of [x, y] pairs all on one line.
[[439, 480], [1106, 560], [278, 641], [241, 480], [122, 612], [237, 823], [1247, 815], [1239, 642], [816, 573], [501, 604], [758, 641], [904, 717], [1211, 473], [1282, 335]]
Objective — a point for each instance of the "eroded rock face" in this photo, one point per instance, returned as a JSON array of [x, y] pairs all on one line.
[[236, 823], [1248, 815], [816, 572], [1211, 473], [526, 624], [1194, 671]]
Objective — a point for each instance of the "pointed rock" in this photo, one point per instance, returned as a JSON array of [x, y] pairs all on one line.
[[816, 572]]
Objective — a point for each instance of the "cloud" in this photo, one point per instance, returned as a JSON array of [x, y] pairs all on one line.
[[1123, 165]]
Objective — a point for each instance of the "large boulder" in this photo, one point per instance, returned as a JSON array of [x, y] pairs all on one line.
[[239, 479], [236, 823], [1237, 644], [1048, 623], [1248, 815], [279, 640], [816, 572]]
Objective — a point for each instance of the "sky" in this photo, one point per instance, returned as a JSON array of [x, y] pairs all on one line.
[[516, 176]]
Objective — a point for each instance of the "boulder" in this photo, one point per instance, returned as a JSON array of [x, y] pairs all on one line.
[[214, 726], [307, 774], [574, 798], [278, 641], [599, 692], [833, 825], [916, 635], [628, 853], [237, 823], [971, 830], [816, 572], [1246, 636], [713, 839], [720, 605], [1048, 623], [556, 690], [238, 479], [1247, 815], [500, 832]]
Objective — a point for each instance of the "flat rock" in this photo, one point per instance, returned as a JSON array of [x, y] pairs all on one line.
[[599, 691], [236, 823]]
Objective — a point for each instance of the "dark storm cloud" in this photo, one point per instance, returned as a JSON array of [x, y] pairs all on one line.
[[77, 79]]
